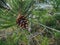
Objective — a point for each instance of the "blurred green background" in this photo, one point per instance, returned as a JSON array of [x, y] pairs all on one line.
[[44, 23]]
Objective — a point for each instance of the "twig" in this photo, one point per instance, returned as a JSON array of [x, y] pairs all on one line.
[[49, 28]]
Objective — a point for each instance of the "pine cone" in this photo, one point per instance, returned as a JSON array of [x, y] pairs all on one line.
[[22, 21]]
